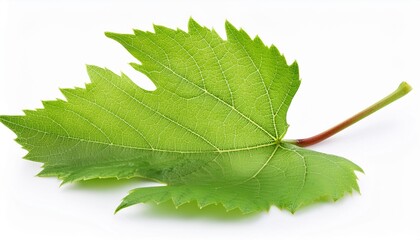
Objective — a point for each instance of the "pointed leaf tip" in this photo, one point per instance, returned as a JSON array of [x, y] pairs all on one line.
[[110, 34], [120, 207], [192, 24]]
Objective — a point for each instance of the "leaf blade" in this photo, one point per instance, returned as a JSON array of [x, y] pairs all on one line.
[[276, 179], [211, 130]]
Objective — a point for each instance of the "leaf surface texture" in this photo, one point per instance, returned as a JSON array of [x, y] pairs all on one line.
[[211, 131]]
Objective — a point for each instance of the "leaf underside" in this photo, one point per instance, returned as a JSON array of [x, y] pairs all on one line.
[[211, 131]]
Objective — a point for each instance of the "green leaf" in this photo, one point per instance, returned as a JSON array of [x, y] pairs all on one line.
[[211, 131], [253, 180]]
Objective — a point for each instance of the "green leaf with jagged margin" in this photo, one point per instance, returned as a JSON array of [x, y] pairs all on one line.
[[211, 130]]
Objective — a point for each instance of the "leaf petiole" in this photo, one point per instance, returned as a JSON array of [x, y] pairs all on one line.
[[402, 90]]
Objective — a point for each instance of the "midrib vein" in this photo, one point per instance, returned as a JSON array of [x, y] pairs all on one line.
[[141, 148]]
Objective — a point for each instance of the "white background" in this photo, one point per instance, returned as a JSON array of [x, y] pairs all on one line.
[[350, 54]]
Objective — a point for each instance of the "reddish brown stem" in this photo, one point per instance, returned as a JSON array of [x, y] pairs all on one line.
[[402, 90]]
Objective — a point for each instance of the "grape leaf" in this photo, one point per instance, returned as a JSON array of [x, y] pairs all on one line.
[[211, 131]]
